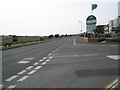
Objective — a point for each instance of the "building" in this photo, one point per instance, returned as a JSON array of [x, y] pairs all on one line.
[[106, 29], [119, 9], [99, 29], [114, 25]]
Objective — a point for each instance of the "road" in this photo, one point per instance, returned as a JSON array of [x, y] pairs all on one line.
[[65, 63]]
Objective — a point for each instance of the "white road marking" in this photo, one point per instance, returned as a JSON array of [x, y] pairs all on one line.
[[59, 47], [41, 60], [47, 60], [28, 58], [38, 67], [50, 57], [36, 63], [11, 86], [23, 71], [44, 58], [11, 78], [23, 62], [23, 78], [49, 54], [90, 54], [115, 57], [53, 51], [74, 42], [33, 71], [30, 67], [1, 86], [43, 63]]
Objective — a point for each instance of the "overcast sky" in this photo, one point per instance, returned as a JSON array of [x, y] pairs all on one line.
[[45, 17]]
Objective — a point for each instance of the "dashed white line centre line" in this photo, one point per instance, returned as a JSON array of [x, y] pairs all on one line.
[[30, 67], [11, 78], [33, 71], [23, 78], [23, 71]]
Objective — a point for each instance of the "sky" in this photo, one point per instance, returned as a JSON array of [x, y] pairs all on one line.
[[49, 17]]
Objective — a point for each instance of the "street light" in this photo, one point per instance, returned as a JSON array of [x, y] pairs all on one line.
[[81, 25]]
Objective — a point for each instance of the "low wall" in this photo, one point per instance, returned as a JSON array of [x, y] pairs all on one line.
[[97, 39], [90, 39]]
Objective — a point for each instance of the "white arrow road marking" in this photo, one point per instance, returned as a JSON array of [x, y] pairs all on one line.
[[30, 67], [11, 78], [23, 78], [33, 71], [23, 71], [43, 63], [38, 67], [23, 62], [115, 57], [11, 86]]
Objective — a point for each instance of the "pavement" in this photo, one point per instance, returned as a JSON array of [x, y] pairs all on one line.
[[65, 63]]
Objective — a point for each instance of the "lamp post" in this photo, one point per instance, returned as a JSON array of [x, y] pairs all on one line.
[[81, 25]]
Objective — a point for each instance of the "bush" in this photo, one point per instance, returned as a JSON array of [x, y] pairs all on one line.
[[102, 39], [56, 35], [51, 36]]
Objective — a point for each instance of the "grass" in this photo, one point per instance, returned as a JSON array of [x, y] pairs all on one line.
[[27, 43]]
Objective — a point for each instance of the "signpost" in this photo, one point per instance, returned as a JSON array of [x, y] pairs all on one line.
[[91, 23]]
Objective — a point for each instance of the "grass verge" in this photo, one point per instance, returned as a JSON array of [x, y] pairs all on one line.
[[27, 44]]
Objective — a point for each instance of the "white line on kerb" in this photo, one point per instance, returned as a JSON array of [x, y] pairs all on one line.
[[43, 63], [36, 63], [12, 86], [30, 67], [23, 78], [33, 71], [38, 67], [23, 71], [11, 78]]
